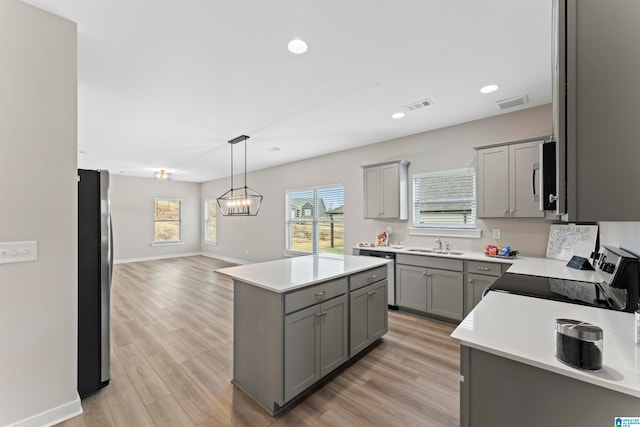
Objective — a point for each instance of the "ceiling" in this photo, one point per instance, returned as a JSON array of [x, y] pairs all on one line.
[[165, 84]]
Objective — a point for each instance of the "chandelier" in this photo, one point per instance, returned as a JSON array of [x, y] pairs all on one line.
[[241, 201], [162, 175]]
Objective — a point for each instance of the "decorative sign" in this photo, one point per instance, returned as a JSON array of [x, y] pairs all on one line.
[[566, 241]]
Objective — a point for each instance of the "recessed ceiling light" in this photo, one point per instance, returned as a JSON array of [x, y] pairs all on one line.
[[398, 115], [489, 88], [297, 46]]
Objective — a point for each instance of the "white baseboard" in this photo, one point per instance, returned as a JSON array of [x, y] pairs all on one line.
[[153, 258], [52, 416], [224, 258]]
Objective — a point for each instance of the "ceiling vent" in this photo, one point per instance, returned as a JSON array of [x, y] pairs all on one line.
[[418, 105], [512, 102]]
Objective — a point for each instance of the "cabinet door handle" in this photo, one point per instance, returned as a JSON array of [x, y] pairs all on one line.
[[506, 212], [324, 313], [428, 274], [372, 293], [318, 314], [483, 268], [471, 281], [319, 294], [424, 274]]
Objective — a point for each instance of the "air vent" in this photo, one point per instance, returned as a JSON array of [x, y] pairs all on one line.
[[512, 102], [418, 105]]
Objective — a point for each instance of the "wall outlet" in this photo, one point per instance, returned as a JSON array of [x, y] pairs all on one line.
[[497, 233], [18, 252]]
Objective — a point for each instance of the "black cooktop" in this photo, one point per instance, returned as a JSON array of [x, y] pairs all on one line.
[[571, 291]]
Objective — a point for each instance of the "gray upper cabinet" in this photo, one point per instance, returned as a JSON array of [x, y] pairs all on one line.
[[386, 190], [597, 113], [508, 181]]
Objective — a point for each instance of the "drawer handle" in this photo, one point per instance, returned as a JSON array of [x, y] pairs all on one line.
[[371, 293], [373, 276], [484, 268], [319, 294]]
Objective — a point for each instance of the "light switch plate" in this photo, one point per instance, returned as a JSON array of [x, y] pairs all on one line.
[[496, 233], [18, 252]]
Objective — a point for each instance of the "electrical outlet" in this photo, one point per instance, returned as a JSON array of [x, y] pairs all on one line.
[[497, 233], [18, 252]]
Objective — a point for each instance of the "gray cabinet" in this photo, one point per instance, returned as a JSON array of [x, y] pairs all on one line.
[[598, 121], [411, 287], [368, 315], [315, 343], [444, 293], [508, 181], [430, 285], [285, 343], [480, 275], [386, 190]]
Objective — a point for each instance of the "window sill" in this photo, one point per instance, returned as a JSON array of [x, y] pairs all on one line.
[[209, 242], [471, 233], [172, 243], [291, 254]]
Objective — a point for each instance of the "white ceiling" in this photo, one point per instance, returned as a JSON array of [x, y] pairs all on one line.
[[166, 83]]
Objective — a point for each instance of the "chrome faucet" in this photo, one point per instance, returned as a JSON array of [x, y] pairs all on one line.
[[439, 243]]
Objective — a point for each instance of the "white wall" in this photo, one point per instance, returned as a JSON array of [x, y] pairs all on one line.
[[621, 234], [262, 237], [38, 198], [132, 201]]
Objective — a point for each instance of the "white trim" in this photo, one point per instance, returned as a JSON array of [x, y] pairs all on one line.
[[209, 242], [167, 243], [291, 254], [153, 258], [447, 172], [224, 258], [472, 233], [52, 416]]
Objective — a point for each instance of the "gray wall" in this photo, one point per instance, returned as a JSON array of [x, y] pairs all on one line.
[[132, 202], [262, 237], [38, 199]]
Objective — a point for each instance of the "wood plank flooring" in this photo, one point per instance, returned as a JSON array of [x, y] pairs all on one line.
[[171, 362]]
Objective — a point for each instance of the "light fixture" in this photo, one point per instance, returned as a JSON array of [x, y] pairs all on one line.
[[162, 175], [297, 46], [489, 88], [397, 115], [241, 201]]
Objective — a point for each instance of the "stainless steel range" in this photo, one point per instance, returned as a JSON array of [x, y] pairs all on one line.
[[617, 288]]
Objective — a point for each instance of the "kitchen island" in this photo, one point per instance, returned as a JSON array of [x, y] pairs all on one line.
[[298, 320], [510, 376]]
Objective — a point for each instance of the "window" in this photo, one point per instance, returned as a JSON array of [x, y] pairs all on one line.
[[167, 220], [210, 221], [445, 199], [315, 220]]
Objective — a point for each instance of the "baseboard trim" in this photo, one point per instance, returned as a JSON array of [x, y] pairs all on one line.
[[52, 416], [224, 258], [153, 258]]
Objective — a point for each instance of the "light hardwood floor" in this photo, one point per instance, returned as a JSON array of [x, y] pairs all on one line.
[[171, 362]]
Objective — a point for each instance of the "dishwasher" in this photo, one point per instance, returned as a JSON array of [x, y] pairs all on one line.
[[391, 269]]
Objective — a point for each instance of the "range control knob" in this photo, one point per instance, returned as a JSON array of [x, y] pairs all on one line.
[[608, 267]]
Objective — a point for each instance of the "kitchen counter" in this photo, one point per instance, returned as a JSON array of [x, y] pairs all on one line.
[[521, 265], [521, 328], [284, 275]]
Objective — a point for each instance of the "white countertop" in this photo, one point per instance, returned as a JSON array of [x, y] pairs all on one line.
[[522, 329], [521, 265], [287, 274]]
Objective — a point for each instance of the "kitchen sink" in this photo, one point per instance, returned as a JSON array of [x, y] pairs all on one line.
[[435, 251]]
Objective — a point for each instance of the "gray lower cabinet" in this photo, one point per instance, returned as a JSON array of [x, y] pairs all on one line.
[[368, 319], [315, 343], [444, 293], [411, 286], [431, 290], [480, 275]]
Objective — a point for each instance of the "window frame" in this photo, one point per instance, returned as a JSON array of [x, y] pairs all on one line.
[[207, 219], [443, 226], [179, 221], [315, 221]]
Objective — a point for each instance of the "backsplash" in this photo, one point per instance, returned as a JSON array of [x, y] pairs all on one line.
[[621, 234]]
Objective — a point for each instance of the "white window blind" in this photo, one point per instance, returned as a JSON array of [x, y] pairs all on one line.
[[445, 199], [210, 207], [315, 220]]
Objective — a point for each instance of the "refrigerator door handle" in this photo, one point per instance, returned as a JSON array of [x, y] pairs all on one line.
[[105, 279]]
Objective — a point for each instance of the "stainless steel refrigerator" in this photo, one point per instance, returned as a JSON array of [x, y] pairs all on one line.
[[95, 265]]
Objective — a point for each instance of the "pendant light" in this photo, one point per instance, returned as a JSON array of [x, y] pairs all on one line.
[[241, 201]]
